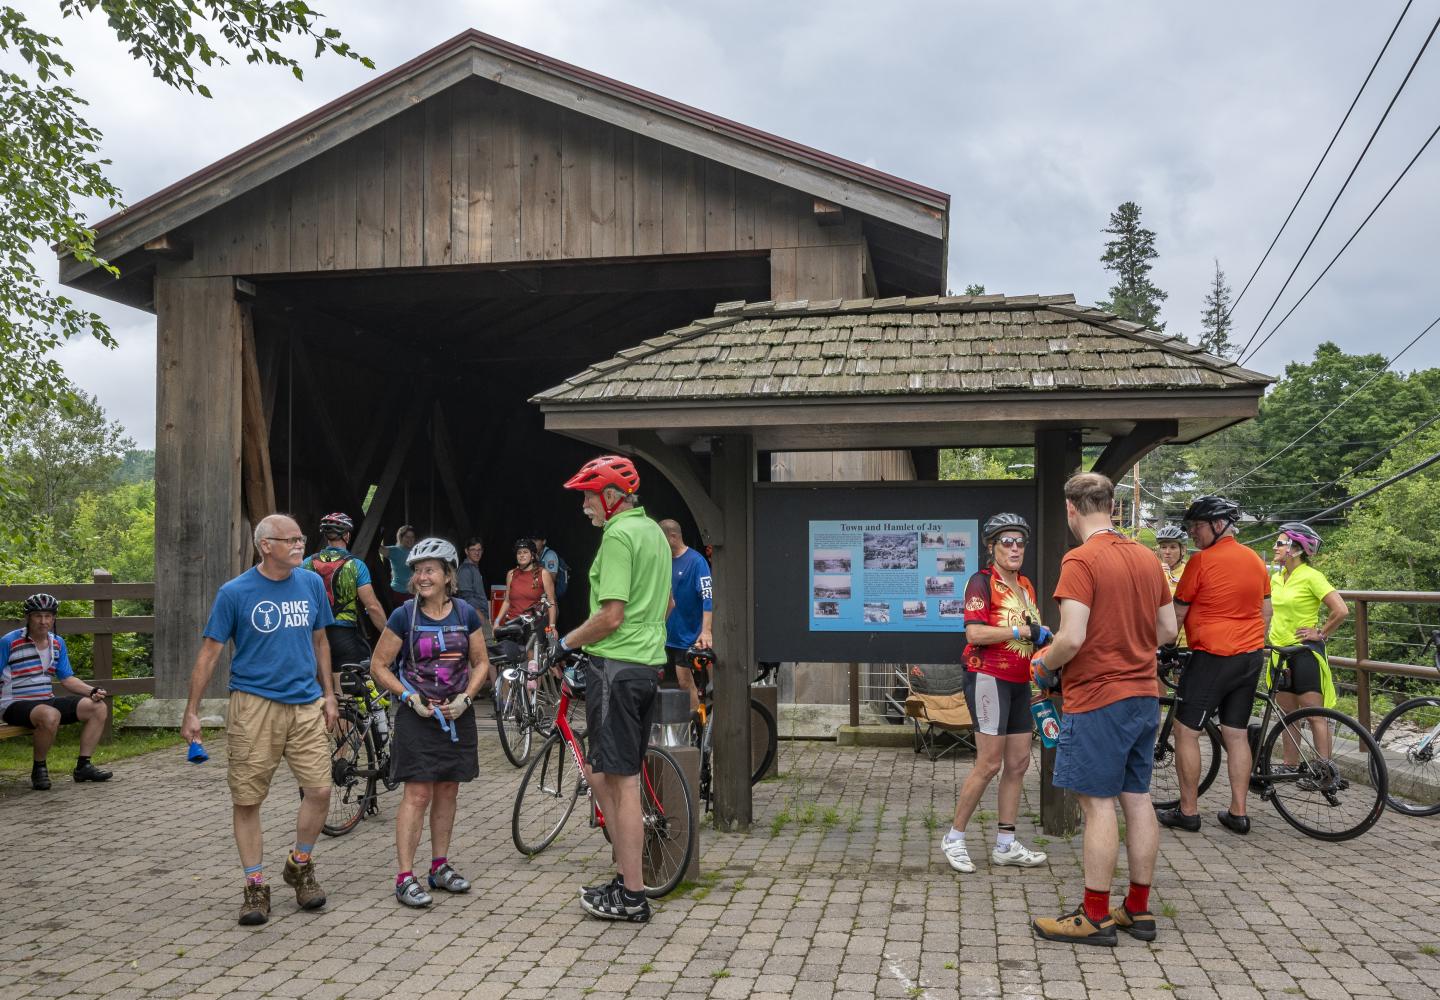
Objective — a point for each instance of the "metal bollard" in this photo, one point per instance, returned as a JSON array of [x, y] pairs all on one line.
[[673, 799], [672, 719]]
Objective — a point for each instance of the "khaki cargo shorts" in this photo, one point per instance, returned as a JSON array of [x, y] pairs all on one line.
[[259, 733]]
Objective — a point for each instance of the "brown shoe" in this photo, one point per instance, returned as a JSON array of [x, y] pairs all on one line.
[[1077, 928], [301, 878], [1140, 926], [256, 907]]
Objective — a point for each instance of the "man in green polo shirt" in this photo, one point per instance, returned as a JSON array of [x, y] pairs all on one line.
[[625, 639]]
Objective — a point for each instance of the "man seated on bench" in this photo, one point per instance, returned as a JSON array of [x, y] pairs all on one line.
[[31, 660]]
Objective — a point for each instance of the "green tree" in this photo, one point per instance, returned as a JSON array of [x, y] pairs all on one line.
[[58, 455], [1128, 255], [974, 289], [50, 162], [1289, 460], [1215, 320], [137, 466], [987, 463]]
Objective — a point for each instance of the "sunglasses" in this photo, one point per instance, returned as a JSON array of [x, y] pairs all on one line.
[[1011, 542]]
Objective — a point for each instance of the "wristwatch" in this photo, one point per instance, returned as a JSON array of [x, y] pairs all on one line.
[[468, 702]]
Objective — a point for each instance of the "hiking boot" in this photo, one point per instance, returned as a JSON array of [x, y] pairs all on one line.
[[1176, 820], [1077, 928], [618, 903], [957, 855], [1233, 823], [256, 907], [301, 878], [89, 772], [1017, 854], [449, 879], [1140, 926], [40, 778], [409, 893]]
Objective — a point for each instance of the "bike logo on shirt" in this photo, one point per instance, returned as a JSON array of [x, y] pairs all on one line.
[[266, 616]]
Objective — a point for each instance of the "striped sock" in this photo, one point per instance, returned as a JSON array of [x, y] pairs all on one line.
[[301, 854], [255, 875]]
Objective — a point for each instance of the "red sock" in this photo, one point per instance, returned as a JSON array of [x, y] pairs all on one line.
[[435, 864], [403, 876], [1137, 900], [1097, 904]]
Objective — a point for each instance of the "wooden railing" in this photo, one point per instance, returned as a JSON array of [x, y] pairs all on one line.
[[104, 625], [1364, 667]]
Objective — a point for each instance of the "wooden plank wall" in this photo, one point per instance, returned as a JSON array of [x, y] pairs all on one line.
[[200, 333], [481, 174]]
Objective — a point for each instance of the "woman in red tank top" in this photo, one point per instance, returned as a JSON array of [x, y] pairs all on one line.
[[525, 584]]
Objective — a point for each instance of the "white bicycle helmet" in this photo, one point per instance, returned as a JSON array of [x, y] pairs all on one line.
[[433, 548]]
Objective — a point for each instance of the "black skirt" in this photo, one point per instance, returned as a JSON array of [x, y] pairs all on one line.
[[422, 751]]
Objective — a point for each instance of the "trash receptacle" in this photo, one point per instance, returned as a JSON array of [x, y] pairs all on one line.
[[672, 718]]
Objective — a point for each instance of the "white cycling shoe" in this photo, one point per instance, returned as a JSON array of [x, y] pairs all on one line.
[[958, 857], [1018, 854]]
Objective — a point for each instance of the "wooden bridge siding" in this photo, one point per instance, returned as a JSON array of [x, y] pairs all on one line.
[[198, 542], [481, 174]]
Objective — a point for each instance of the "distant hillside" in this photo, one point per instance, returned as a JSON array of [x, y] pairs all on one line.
[[138, 466]]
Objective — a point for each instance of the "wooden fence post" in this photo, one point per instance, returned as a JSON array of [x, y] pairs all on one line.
[[103, 650], [855, 694], [1362, 653]]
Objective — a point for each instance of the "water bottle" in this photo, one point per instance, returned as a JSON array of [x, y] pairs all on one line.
[[1046, 722], [532, 672], [382, 724]]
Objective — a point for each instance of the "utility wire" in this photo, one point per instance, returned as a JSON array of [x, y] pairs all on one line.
[[1365, 83], [1348, 177], [1306, 294], [1337, 406]]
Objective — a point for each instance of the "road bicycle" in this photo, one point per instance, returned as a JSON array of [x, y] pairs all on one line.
[[556, 782], [763, 732], [1410, 736], [359, 750], [527, 694], [1335, 797]]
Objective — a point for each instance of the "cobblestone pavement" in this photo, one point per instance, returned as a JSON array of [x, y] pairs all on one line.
[[131, 889]]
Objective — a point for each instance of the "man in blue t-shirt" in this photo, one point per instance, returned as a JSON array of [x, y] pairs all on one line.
[[688, 624], [281, 703]]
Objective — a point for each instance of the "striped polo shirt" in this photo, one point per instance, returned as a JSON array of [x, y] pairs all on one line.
[[24, 676]]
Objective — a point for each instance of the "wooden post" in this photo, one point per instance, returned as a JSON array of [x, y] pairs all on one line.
[[1057, 457], [732, 468], [1362, 653], [854, 694], [103, 651]]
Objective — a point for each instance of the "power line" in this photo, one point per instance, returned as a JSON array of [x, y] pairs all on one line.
[[1337, 406], [1379, 454], [1346, 246], [1348, 177], [1365, 83]]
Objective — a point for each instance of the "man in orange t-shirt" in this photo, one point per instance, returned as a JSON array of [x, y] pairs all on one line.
[[1115, 609], [1223, 603]]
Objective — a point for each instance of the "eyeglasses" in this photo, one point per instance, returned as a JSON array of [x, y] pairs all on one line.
[[1011, 542], [292, 541], [1283, 541]]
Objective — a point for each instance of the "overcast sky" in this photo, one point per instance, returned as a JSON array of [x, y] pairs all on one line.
[[1037, 118]]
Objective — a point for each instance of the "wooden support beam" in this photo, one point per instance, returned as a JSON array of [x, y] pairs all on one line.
[[1121, 454], [828, 214], [169, 247], [445, 466], [1057, 457], [385, 488], [681, 468], [732, 469], [337, 446], [255, 471]]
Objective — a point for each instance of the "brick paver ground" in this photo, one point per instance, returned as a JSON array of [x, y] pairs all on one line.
[[131, 889]]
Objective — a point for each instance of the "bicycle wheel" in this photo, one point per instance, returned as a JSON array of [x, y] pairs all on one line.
[[512, 720], [707, 771], [1164, 779], [669, 833], [1334, 798], [546, 797], [763, 740], [1408, 736], [351, 750]]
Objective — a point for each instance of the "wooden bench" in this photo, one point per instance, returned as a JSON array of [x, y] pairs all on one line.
[[7, 731]]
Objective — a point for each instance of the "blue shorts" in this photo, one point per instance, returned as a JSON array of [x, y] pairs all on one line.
[[1108, 750]]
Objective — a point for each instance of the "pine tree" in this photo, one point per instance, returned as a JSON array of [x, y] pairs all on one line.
[[1133, 296], [1216, 318], [974, 289]]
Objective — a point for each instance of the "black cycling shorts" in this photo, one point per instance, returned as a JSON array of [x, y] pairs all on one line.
[[1209, 682], [347, 645], [17, 713], [675, 660], [1304, 672], [999, 708], [619, 710]]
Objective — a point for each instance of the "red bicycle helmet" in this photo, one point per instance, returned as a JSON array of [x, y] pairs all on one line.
[[607, 470]]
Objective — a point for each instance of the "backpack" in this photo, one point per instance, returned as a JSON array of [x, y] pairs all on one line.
[[327, 568], [562, 574]]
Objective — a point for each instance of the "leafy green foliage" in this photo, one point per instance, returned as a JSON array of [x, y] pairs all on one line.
[[987, 463], [1215, 321], [50, 162], [58, 454], [1128, 254], [974, 289]]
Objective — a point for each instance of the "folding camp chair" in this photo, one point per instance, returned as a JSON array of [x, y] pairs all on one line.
[[942, 720]]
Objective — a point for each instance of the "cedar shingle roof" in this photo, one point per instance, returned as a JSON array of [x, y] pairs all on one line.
[[931, 345]]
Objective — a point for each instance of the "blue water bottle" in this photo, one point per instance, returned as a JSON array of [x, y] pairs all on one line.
[[1046, 722], [197, 754]]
